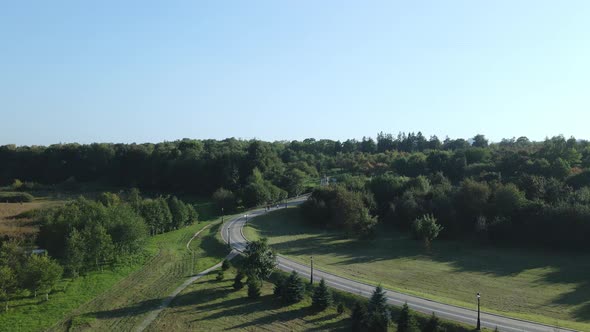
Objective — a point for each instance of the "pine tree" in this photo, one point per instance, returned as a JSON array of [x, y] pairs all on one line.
[[238, 284], [406, 321], [378, 315], [433, 324], [279, 286], [220, 275], [322, 297], [340, 308], [253, 288], [225, 265], [293, 289], [358, 317]]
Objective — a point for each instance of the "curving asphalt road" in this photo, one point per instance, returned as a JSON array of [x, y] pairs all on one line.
[[233, 230]]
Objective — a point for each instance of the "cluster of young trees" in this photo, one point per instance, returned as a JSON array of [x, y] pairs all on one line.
[[86, 235], [290, 290], [377, 316], [337, 207], [21, 270]]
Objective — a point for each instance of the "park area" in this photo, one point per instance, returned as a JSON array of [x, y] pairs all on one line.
[[211, 305], [542, 286]]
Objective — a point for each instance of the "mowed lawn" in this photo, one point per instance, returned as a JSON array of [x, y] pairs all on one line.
[[553, 288], [210, 305]]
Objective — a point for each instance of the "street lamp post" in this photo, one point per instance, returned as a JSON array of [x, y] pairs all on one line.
[[311, 275], [478, 321]]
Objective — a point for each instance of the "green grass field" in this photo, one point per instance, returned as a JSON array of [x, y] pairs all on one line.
[[533, 285], [210, 305]]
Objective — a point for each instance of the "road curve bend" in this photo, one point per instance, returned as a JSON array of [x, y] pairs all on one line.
[[232, 231]]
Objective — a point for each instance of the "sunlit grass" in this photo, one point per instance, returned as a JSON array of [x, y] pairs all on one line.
[[541, 286]]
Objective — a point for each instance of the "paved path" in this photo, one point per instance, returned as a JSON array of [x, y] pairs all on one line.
[[166, 302], [234, 227]]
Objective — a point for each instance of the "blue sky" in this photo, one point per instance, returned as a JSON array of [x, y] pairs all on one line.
[[147, 71]]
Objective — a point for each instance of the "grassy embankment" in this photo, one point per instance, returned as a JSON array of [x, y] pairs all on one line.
[[119, 298], [210, 305], [552, 288], [126, 303]]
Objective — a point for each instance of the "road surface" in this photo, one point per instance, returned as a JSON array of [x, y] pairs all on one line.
[[233, 230]]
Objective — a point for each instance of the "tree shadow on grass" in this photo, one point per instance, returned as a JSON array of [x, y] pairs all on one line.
[[300, 313], [211, 246], [340, 325], [200, 301], [134, 310], [461, 256], [579, 297]]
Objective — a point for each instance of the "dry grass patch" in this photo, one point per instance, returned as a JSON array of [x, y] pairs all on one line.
[[14, 221]]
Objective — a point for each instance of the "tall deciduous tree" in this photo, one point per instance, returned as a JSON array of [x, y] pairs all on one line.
[[99, 245], [260, 259], [480, 141], [193, 216], [7, 284], [179, 212], [426, 229], [75, 257], [225, 199], [42, 274]]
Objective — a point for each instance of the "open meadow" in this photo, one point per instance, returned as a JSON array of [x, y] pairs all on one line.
[[15, 221], [542, 286]]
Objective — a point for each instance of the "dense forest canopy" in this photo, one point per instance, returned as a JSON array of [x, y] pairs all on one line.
[[515, 190]]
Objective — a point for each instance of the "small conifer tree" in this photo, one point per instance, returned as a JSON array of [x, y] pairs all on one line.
[[238, 284], [406, 321], [358, 317], [322, 297], [293, 288], [253, 288]]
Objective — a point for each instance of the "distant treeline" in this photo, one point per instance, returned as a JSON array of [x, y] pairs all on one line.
[[515, 190]]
